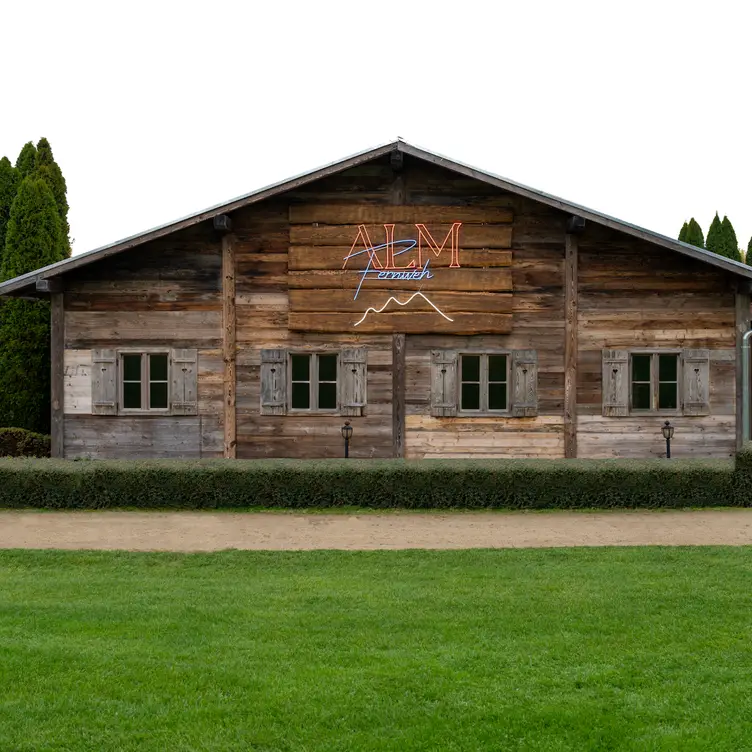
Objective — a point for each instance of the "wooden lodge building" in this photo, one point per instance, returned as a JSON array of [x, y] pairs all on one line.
[[444, 311]]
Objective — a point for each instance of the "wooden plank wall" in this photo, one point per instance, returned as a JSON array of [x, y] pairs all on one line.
[[537, 323], [632, 295], [163, 293]]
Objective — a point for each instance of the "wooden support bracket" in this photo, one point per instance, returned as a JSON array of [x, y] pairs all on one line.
[[50, 285]]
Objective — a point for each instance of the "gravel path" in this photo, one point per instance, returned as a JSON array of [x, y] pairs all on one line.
[[205, 531]]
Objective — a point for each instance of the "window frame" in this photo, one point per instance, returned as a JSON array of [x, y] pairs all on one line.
[[655, 383], [145, 392], [484, 410], [313, 380]]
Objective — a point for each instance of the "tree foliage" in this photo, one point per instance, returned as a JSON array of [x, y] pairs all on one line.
[[694, 234], [49, 170], [9, 180], [730, 243], [27, 160], [33, 239], [714, 240], [683, 233], [748, 257]]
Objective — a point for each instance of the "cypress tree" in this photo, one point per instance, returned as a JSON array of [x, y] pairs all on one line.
[[33, 239], [683, 233], [748, 257], [8, 186], [730, 243], [49, 170], [694, 234], [714, 240], [27, 160]]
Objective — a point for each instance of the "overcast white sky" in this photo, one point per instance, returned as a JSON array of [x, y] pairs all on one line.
[[156, 110]]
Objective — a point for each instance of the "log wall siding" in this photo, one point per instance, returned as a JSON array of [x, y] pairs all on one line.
[[166, 293], [632, 295]]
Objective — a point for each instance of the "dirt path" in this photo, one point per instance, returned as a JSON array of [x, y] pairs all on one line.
[[204, 531]]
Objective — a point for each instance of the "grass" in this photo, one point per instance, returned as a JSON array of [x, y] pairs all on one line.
[[578, 649]]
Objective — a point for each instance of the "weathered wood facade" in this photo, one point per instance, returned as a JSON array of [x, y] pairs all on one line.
[[467, 319]]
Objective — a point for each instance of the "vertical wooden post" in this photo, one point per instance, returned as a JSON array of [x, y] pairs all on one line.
[[570, 347], [742, 325], [229, 340], [57, 357], [398, 395]]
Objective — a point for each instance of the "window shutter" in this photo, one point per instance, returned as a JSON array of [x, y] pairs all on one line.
[[615, 385], [443, 383], [352, 370], [104, 383], [524, 383], [184, 382], [696, 382], [273, 382]]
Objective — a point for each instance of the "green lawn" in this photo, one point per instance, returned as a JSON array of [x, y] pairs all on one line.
[[580, 649]]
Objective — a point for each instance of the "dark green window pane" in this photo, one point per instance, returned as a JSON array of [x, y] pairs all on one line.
[[131, 368], [301, 396], [641, 396], [470, 397], [158, 367], [301, 367], [497, 396], [327, 367], [132, 395], [471, 368], [667, 397], [641, 367], [497, 367], [327, 396], [667, 367], [158, 395]]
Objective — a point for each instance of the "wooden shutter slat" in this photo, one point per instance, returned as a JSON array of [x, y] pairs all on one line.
[[524, 383], [104, 383], [184, 382], [273, 382], [444, 383], [353, 381], [696, 382], [615, 386]]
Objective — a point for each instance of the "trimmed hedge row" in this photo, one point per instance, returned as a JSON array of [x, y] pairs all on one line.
[[18, 442], [430, 484]]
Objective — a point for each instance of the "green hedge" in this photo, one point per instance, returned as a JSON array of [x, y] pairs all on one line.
[[18, 442], [429, 484]]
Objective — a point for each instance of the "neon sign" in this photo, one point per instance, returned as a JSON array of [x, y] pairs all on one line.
[[362, 245]]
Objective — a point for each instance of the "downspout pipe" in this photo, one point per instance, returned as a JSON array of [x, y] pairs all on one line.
[[746, 385]]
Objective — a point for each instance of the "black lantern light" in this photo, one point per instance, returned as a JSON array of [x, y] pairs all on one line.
[[668, 433], [347, 432]]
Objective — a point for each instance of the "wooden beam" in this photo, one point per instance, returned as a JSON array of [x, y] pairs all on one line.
[[229, 349], [398, 395], [223, 223], [742, 325], [570, 347], [57, 381], [52, 285]]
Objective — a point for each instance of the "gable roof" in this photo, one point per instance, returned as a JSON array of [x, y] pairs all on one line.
[[27, 282]]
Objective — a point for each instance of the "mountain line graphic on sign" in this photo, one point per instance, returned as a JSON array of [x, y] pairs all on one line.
[[400, 303]]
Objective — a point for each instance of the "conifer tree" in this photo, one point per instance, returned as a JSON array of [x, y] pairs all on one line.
[[48, 169], [714, 240], [694, 234], [730, 246], [683, 233], [8, 186], [33, 239], [748, 257], [27, 160]]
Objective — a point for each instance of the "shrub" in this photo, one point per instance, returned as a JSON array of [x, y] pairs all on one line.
[[434, 484], [18, 442]]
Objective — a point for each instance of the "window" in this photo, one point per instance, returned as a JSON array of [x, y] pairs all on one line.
[[484, 380], [655, 381], [313, 381], [145, 381]]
